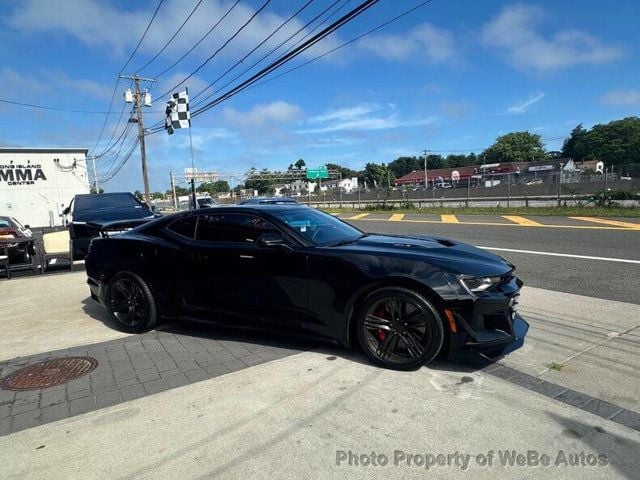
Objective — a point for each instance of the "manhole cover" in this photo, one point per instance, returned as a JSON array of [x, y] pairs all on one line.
[[49, 373]]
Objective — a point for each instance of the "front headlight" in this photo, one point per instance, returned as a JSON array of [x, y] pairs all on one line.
[[479, 284]]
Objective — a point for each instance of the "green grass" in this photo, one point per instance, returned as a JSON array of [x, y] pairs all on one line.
[[555, 366], [541, 211]]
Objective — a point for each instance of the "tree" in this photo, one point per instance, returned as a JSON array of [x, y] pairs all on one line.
[[614, 143], [404, 165], [213, 188], [515, 147], [345, 172], [378, 175], [139, 194], [180, 192], [300, 163], [157, 196]]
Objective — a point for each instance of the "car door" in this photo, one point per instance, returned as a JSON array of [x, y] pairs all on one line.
[[230, 276]]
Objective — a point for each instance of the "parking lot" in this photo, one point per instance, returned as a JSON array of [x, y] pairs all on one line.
[[203, 402]]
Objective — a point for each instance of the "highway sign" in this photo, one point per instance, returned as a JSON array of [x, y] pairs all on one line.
[[314, 173]]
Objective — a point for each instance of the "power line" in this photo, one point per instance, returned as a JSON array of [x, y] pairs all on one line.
[[368, 32], [172, 37], [56, 109], [277, 47], [115, 87], [199, 41], [267, 54], [284, 59], [143, 35], [255, 14]]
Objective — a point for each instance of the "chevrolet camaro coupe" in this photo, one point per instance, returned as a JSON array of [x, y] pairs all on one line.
[[402, 299]]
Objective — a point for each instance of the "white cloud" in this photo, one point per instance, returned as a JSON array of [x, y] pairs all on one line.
[[346, 114], [622, 98], [100, 24], [423, 43], [515, 32], [265, 114], [523, 105], [362, 117], [13, 81]]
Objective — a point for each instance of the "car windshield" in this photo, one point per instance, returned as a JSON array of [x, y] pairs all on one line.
[[106, 202], [320, 228]]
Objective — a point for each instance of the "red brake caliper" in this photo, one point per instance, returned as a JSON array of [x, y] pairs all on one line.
[[380, 334]]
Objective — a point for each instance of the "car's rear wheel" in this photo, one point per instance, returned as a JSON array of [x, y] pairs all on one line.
[[398, 328], [130, 303]]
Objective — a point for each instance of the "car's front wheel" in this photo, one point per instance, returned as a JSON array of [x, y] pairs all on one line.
[[130, 303], [398, 328]]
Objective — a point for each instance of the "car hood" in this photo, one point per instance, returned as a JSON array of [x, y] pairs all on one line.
[[450, 255]]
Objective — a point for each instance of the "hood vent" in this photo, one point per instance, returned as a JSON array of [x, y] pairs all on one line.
[[445, 242]]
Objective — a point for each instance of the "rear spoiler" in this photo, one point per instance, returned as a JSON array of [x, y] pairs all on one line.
[[109, 229]]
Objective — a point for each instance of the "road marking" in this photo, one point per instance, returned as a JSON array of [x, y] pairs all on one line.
[[616, 223], [568, 255], [358, 216], [396, 217], [522, 221], [495, 224], [449, 219]]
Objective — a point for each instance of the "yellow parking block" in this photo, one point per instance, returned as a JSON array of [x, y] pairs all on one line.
[[449, 219], [358, 216], [525, 222], [615, 223], [396, 217]]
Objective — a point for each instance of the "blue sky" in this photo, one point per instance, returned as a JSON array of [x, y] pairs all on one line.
[[450, 76]]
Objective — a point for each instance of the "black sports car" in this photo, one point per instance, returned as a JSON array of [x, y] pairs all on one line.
[[402, 299]]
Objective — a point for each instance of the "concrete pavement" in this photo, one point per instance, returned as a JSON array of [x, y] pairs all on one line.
[[294, 415]]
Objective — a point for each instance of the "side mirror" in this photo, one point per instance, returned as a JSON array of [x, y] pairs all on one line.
[[27, 227], [66, 211], [273, 240], [270, 239]]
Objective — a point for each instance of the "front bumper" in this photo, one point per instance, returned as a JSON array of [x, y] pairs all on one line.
[[489, 322]]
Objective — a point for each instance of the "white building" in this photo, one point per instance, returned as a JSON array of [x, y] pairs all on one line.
[[37, 183], [348, 185]]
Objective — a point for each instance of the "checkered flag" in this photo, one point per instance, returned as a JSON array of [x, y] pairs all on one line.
[[177, 111]]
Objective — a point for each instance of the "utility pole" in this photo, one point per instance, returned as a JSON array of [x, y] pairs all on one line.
[[426, 181], [140, 98], [173, 190], [95, 174]]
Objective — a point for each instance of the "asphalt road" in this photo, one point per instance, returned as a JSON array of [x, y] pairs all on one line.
[[594, 278]]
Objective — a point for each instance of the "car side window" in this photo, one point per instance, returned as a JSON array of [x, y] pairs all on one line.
[[232, 227], [185, 227]]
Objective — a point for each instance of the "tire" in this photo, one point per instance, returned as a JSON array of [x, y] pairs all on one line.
[[130, 303], [399, 329]]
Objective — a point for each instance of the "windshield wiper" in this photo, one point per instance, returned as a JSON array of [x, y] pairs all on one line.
[[347, 242]]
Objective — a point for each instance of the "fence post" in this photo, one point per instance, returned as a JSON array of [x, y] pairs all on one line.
[[466, 203]]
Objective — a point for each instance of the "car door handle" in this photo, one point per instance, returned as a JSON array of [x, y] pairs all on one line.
[[248, 257]]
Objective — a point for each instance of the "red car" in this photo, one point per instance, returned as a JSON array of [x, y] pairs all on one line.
[[18, 252]]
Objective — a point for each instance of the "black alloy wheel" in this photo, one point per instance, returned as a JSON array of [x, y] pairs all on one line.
[[130, 303], [399, 329]]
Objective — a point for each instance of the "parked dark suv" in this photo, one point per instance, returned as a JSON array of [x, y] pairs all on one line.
[[88, 215]]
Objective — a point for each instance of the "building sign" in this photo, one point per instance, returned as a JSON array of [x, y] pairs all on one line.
[[21, 174], [540, 168]]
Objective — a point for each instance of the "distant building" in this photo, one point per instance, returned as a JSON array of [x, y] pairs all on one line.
[[348, 185], [36, 184]]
